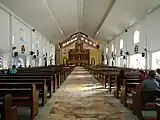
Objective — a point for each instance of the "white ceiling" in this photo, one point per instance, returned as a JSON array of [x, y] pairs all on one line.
[[58, 19]]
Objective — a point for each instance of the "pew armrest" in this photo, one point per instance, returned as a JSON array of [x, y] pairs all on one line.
[[158, 105], [14, 113], [158, 110], [133, 93]]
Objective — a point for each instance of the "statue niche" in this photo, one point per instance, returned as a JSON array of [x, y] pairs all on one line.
[[79, 56]]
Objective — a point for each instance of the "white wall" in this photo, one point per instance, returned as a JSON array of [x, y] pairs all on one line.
[[4, 30], [149, 29], [10, 26], [27, 40]]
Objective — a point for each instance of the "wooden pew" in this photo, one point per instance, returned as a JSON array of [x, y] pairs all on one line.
[[59, 75], [158, 111], [64, 70], [117, 85], [109, 74], [119, 81], [26, 83], [128, 86], [50, 81], [106, 75], [141, 102], [55, 75], [7, 110], [54, 67], [25, 96], [109, 77]]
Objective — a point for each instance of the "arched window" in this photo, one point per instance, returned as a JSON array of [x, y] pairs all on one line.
[[32, 46], [136, 37], [121, 44], [13, 38], [112, 49], [106, 50], [115, 51]]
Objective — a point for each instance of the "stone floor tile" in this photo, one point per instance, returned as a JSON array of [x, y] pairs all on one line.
[[81, 97]]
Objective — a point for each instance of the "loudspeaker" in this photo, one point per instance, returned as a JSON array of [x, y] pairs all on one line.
[[143, 54], [126, 30], [124, 57], [44, 58], [15, 54], [33, 30], [31, 52], [13, 48], [127, 53], [34, 56]]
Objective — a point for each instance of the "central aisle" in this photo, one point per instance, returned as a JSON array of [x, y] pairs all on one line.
[[81, 98]]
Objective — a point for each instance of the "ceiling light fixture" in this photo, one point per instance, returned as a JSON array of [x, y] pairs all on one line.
[[94, 45], [90, 42], [82, 38], [86, 40], [75, 38], [61, 31]]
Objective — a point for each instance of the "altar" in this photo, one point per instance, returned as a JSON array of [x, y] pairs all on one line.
[[79, 50], [79, 55]]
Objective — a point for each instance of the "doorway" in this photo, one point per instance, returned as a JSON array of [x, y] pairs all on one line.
[[93, 61]]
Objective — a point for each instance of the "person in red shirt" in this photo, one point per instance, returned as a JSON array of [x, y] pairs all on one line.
[[143, 75]]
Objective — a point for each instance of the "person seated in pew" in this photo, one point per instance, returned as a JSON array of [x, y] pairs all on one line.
[[13, 70], [8, 71], [151, 82], [121, 76], [2, 71], [158, 74], [143, 75], [20, 66]]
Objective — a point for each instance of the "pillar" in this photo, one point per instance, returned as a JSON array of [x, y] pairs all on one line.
[[53, 53], [7, 63]]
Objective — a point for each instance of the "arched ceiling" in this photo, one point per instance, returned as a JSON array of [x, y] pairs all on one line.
[[102, 19]]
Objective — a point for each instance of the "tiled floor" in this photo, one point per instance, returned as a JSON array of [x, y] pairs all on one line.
[[81, 98]]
